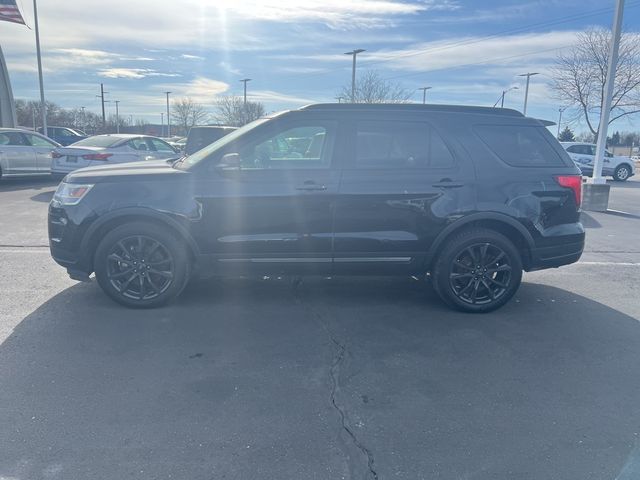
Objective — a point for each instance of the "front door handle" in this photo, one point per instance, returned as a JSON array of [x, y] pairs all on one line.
[[447, 183], [311, 186]]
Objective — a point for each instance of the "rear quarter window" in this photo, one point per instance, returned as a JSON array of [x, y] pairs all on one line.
[[520, 146]]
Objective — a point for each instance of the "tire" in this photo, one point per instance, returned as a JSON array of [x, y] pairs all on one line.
[[622, 173], [142, 265], [463, 286]]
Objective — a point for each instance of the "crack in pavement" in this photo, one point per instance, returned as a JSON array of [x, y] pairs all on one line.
[[334, 373]]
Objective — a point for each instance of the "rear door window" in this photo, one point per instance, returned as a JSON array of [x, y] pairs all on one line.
[[138, 144], [13, 139], [520, 146], [160, 146], [400, 145], [37, 141]]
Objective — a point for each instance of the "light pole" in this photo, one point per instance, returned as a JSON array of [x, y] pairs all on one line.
[[597, 177], [43, 105], [501, 97], [526, 90], [168, 117], [353, 72], [102, 100], [244, 101], [560, 110], [82, 122], [117, 117], [161, 123], [424, 93]]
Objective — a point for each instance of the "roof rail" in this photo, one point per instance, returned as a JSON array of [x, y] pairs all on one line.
[[413, 107]]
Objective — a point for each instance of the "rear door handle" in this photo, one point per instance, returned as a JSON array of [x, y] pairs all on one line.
[[446, 183], [311, 186]]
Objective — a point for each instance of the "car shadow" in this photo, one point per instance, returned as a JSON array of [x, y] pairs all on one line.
[[236, 379], [631, 183], [588, 221], [44, 197], [12, 184]]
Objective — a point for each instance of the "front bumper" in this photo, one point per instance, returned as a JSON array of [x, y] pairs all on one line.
[[64, 237]]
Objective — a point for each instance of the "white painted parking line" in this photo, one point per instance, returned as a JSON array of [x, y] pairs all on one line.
[[626, 264]]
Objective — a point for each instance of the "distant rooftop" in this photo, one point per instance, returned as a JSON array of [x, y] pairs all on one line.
[[413, 107]]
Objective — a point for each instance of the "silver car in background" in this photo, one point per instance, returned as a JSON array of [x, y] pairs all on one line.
[[23, 152], [107, 149], [584, 155]]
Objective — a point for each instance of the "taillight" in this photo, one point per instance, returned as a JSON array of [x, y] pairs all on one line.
[[56, 155], [97, 156], [574, 182]]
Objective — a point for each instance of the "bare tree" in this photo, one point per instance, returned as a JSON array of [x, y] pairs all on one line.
[[186, 113], [372, 88], [579, 77], [232, 111]]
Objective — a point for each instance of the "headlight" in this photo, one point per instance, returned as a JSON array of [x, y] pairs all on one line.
[[71, 193]]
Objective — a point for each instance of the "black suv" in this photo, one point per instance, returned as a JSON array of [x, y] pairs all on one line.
[[469, 196]]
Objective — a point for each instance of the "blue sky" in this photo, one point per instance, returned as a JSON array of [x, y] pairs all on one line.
[[468, 51]]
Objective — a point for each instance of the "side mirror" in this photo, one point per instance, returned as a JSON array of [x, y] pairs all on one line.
[[230, 161]]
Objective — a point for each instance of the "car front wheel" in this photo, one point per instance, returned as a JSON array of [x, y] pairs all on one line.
[[622, 173], [477, 271], [141, 265]]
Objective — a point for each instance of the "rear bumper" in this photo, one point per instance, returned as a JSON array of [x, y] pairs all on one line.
[[556, 256]]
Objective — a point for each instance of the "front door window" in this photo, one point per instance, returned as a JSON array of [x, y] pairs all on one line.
[[302, 147]]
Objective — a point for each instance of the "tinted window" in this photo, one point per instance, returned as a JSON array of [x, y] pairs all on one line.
[[138, 144], [160, 146], [199, 138], [574, 149], [520, 146], [382, 144], [98, 141], [297, 147], [37, 141], [13, 138], [203, 154]]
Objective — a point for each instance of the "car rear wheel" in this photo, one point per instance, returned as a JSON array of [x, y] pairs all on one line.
[[141, 265], [622, 173], [477, 271]]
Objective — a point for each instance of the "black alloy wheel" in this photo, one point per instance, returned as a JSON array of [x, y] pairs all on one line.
[[478, 270], [140, 267], [480, 274]]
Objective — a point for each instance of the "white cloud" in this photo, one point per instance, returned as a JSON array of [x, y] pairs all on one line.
[[270, 96], [201, 89], [133, 73], [471, 50], [443, 54], [229, 68], [343, 14], [191, 57]]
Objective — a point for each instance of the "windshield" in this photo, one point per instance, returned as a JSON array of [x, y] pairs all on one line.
[[98, 141], [200, 155]]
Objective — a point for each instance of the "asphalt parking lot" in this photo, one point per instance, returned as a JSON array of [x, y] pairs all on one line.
[[351, 378]]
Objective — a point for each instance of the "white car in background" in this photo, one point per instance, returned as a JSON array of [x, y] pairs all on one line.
[[108, 149], [24, 152], [584, 154]]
